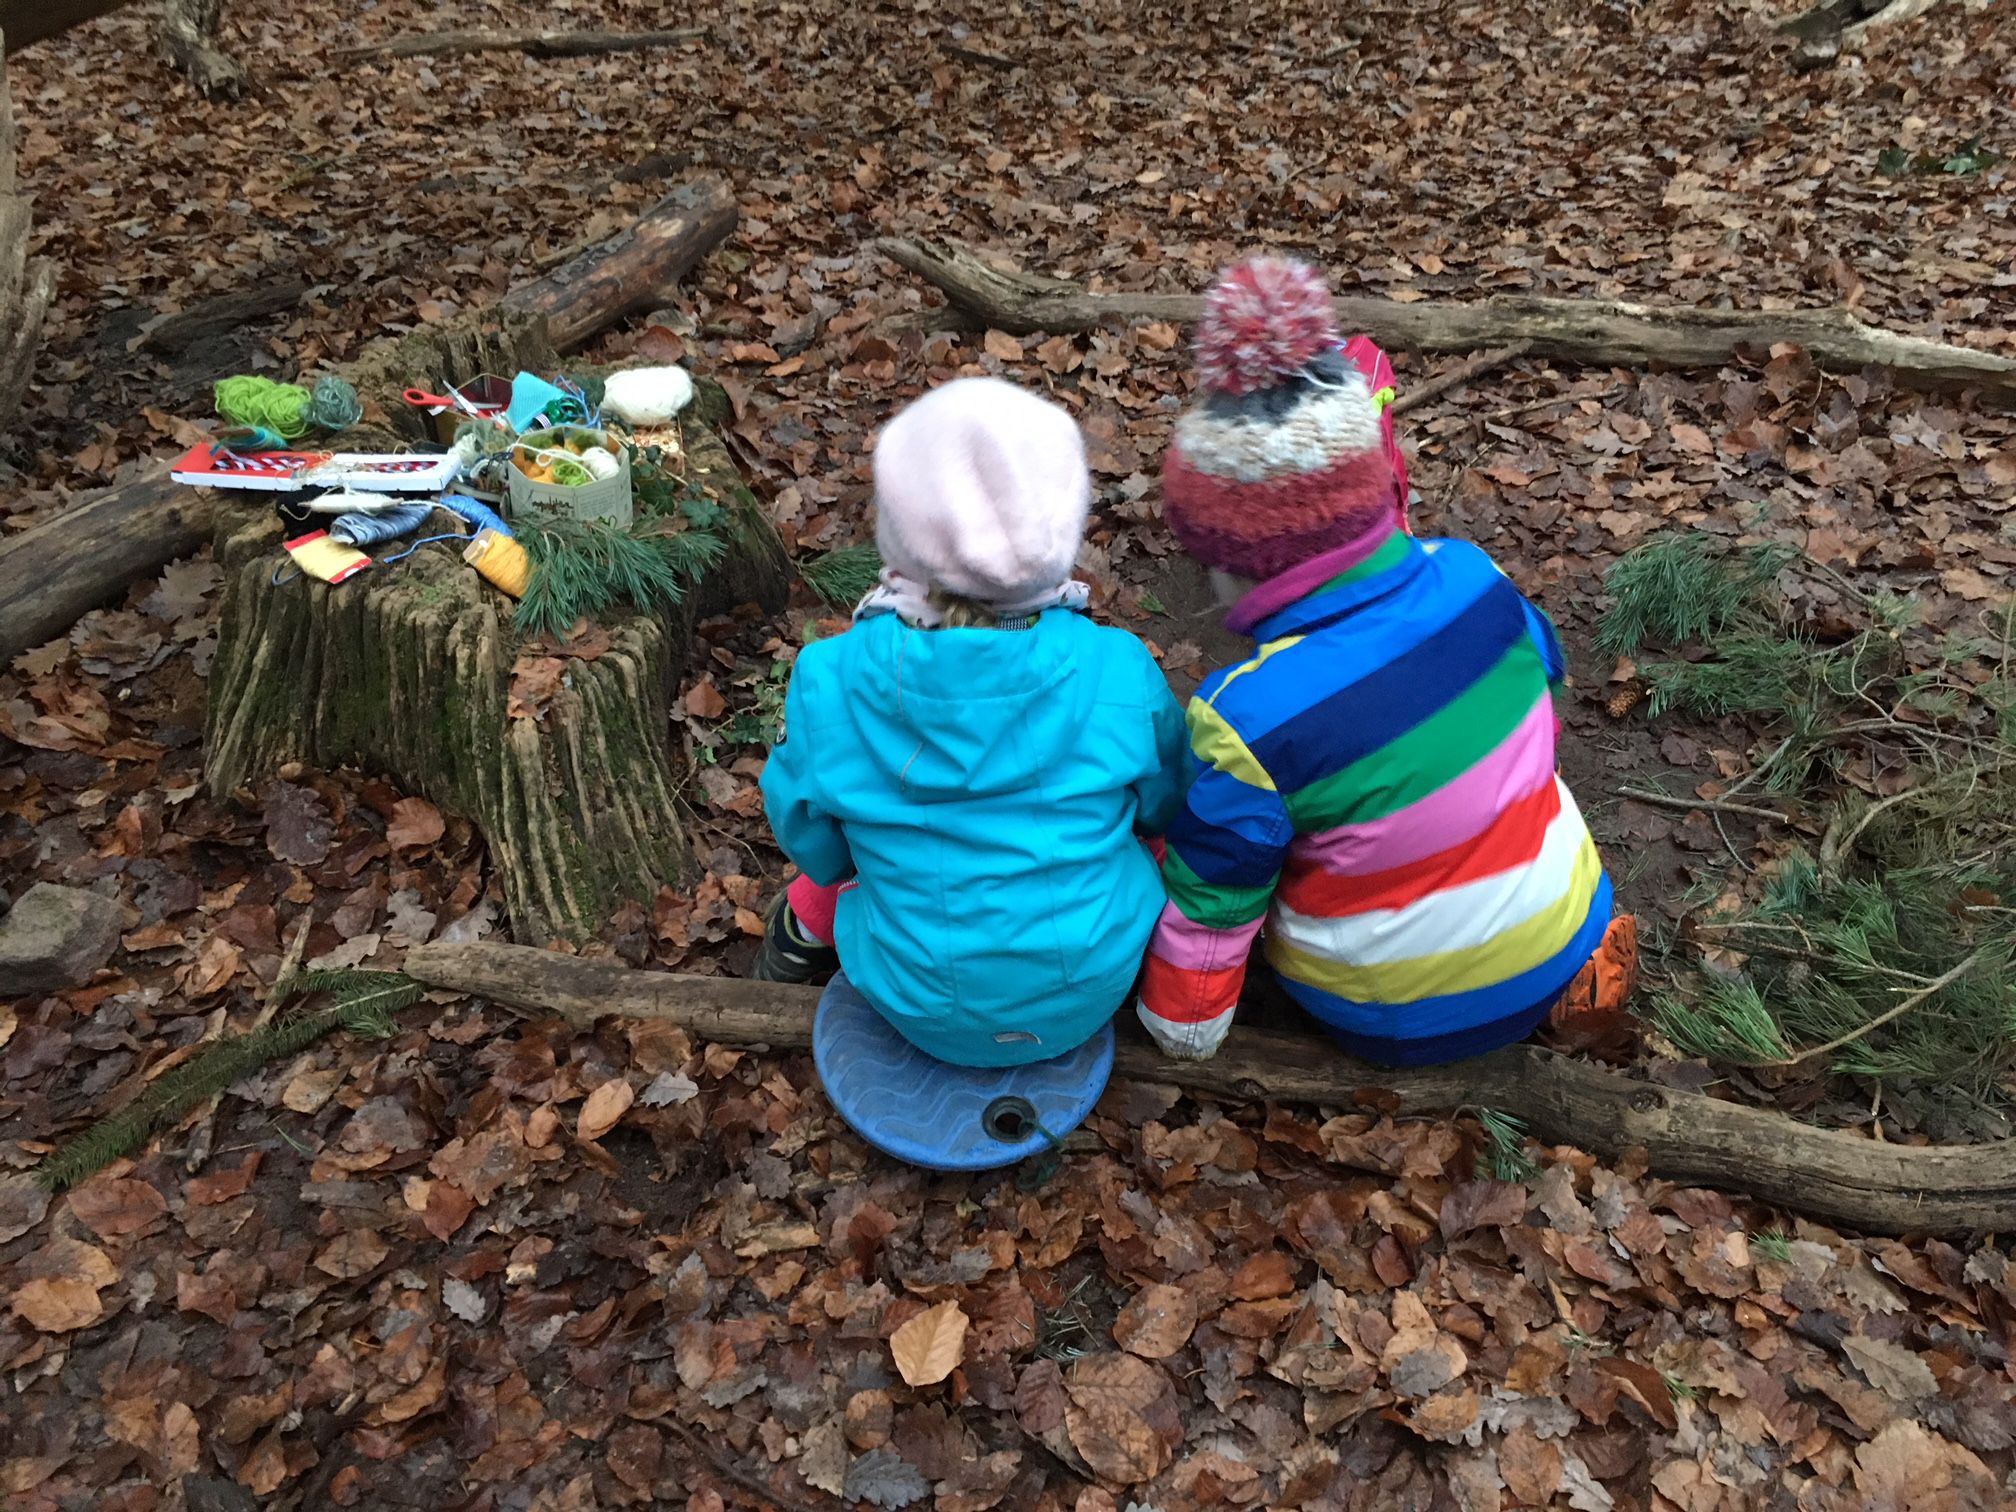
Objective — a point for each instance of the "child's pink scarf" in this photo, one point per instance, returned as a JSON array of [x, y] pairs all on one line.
[[1303, 579]]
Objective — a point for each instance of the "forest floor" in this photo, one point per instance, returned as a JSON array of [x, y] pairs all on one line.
[[494, 1263]]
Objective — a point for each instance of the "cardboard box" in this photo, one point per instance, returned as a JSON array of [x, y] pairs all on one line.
[[604, 499]]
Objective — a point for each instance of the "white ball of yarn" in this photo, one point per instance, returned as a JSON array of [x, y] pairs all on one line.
[[600, 462], [647, 396]]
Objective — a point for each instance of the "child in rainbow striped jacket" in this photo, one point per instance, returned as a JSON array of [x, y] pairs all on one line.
[[1375, 785]]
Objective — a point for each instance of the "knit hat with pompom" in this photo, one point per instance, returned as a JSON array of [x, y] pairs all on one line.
[[1283, 455]]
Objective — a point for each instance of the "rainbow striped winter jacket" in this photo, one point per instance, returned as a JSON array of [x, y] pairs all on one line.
[[1376, 786]]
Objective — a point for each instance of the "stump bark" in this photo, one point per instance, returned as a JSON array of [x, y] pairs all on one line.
[[407, 670]]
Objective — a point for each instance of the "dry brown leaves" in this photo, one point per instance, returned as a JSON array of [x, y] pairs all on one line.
[[1302, 1315]]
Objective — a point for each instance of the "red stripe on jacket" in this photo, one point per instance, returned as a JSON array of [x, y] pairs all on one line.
[[1513, 839]]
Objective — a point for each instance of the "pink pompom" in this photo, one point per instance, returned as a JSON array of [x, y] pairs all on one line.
[[1265, 319]]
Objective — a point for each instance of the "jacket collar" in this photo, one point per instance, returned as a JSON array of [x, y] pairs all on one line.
[[1307, 595]]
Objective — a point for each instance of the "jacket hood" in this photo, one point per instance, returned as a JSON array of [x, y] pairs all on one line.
[[975, 712]]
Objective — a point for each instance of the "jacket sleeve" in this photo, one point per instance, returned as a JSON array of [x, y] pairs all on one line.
[[805, 831], [1158, 794], [1226, 848], [1547, 641]]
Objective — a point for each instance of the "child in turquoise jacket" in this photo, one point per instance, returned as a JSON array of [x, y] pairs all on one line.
[[966, 774]]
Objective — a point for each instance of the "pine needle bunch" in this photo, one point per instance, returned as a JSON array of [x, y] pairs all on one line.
[[1685, 586], [1504, 1156], [843, 576], [582, 568], [363, 1002], [1885, 957]]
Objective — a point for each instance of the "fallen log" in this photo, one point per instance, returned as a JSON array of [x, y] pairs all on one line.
[[26, 284], [1598, 332], [55, 572], [630, 272], [266, 293], [536, 44], [26, 21], [1689, 1137]]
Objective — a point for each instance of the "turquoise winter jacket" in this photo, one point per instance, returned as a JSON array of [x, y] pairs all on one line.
[[986, 789]]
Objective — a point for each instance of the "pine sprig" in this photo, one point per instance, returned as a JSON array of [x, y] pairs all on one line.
[[1685, 586], [1887, 957], [581, 568], [362, 1002], [841, 577], [1504, 1156]]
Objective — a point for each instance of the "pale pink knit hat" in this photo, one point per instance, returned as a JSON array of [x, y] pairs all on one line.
[[981, 490]]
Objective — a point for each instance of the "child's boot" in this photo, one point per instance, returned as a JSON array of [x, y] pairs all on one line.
[[1605, 984], [789, 952]]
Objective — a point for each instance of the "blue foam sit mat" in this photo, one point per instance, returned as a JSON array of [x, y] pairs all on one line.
[[931, 1114]]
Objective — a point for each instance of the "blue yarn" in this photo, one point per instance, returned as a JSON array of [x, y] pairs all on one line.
[[400, 556], [364, 529], [475, 511]]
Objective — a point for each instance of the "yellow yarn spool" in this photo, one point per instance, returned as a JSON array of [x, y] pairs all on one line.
[[501, 560]]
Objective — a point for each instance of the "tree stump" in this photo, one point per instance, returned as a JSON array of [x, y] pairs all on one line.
[[406, 670]]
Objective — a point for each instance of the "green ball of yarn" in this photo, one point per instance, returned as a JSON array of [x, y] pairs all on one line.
[[334, 405], [251, 400], [570, 474]]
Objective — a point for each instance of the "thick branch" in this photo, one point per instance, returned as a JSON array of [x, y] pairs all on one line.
[[26, 21], [1599, 332], [53, 573], [266, 293], [26, 286], [632, 271], [537, 44], [1689, 1137]]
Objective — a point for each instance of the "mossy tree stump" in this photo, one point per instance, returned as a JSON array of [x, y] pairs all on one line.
[[406, 671]]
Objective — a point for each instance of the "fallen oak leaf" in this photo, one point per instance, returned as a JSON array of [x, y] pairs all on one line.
[[882, 1478], [463, 1300], [353, 1254], [605, 1108], [1530, 1466], [1156, 1322], [704, 700], [415, 825], [56, 1304], [1122, 1417], [1891, 1368], [115, 1206], [1645, 1386], [931, 1345], [1446, 1416]]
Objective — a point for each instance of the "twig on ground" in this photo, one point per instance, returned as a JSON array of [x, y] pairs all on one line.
[[1930, 990], [1706, 805], [203, 1131], [1462, 373], [727, 1469], [536, 44], [1533, 405]]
